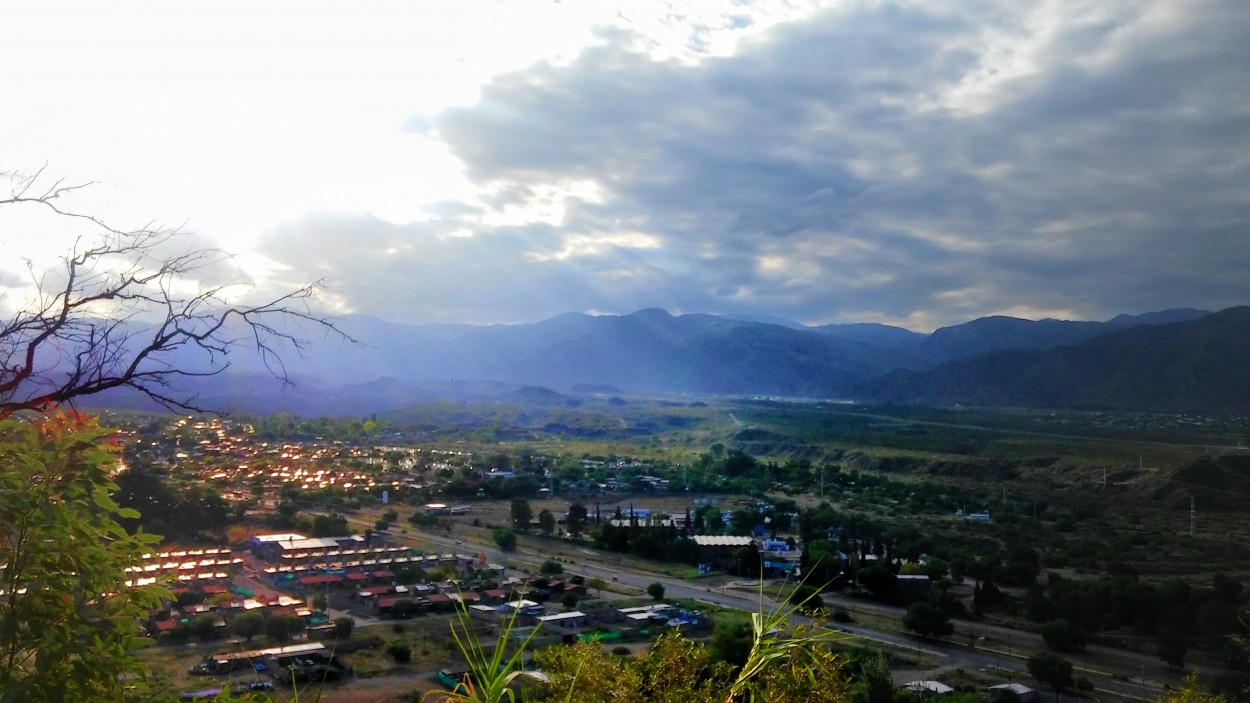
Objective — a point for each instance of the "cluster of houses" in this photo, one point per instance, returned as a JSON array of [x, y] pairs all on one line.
[[164, 623], [299, 563], [599, 624], [448, 596], [185, 566]]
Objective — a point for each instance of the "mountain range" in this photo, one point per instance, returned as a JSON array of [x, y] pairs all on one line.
[[1178, 360]]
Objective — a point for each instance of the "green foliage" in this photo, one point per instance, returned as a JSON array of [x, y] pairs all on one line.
[[878, 580], [405, 609], [343, 627], [248, 625], [399, 652], [280, 629], [68, 624], [330, 526], [927, 620], [878, 684], [776, 669], [806, 598], [522, 513], [505, 538], [1190, 692], [423, 519], [731, 643], [656, 590], [551, 567], [145, 489], [1052, 670], [575, 522], [546, 521], [492, 672], [1062, 635], [204, 627]]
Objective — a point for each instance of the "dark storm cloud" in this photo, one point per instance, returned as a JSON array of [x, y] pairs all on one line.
[[921, 163]]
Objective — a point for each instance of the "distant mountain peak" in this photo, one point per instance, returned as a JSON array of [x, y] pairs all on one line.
[[646, 313], [1160, 317]]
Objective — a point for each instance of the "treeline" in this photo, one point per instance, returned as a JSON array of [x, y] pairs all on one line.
[[1175, 613], [170, 510], [286, 427]]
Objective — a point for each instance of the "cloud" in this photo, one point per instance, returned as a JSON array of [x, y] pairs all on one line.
[[925, 163]]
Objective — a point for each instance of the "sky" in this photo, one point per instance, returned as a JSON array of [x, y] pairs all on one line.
[[910, 163]]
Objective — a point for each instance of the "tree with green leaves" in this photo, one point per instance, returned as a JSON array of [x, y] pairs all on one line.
[[1052, 670], [248, 625], [281, 629], [343, 627], [879, 581], [522, 513], [575, 521], [68, 619], [546, 521], [656, 590], [204, 626], [877, 681], [1062, 635], [68, 622], [505, 538], [927, 620]]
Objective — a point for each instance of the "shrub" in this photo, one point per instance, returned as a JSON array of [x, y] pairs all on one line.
[[399, 652]]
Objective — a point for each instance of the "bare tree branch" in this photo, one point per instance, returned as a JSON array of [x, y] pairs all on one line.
[[114, 314]]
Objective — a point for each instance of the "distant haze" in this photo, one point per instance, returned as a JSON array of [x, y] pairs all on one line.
[[1175, 360]]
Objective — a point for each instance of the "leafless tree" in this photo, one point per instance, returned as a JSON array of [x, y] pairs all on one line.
[[125, 309]]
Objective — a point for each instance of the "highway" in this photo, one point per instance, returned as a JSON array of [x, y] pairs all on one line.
[[990, 648]]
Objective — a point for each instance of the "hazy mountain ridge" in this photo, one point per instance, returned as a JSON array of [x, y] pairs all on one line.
[[1191, 366], [993, 361]]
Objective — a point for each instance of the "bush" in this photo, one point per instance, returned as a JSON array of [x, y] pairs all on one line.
[[806, 598], [842, 615], [343, 627], [1063, 635], [505, 538], [621, 651], [399, 652]]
